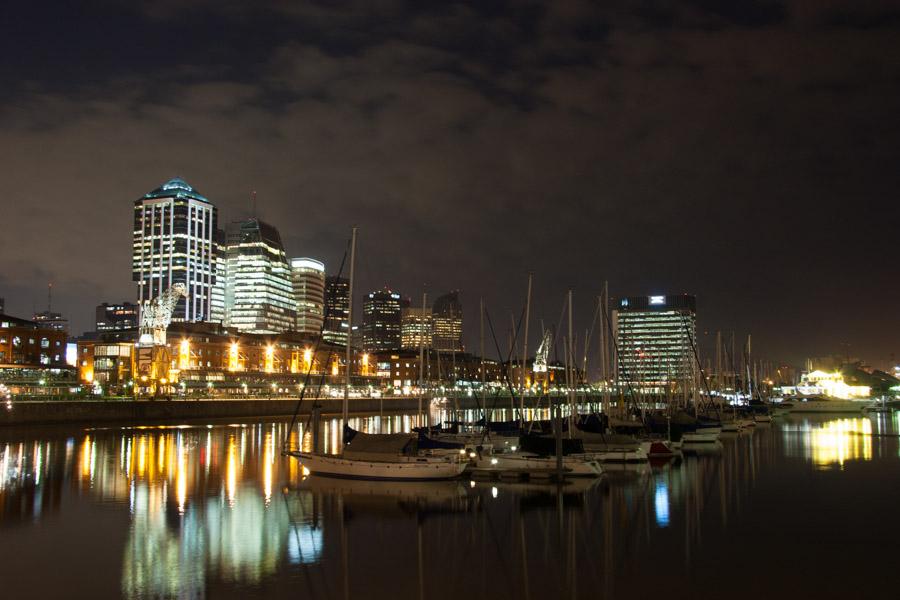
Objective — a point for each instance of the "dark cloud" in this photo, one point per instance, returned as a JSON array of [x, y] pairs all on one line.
[[742, 151]]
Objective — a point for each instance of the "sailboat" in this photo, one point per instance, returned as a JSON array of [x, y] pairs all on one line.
[[392, 456], [376, 456]]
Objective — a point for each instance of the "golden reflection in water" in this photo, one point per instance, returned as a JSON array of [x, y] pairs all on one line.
[[181, 474], [268, 461], [231, 471], [86, 457], [4, 467], [841, 440]]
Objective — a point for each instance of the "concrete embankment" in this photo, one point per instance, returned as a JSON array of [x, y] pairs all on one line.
[[130, 411]]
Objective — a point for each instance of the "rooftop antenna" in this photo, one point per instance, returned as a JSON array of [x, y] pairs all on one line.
[[49, 296], [253, 204]]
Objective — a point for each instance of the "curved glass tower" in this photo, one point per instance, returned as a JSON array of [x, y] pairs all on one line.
[[259, 295]]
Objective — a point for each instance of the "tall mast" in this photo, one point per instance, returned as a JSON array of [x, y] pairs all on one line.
[[524, 351], [719, 362], [604, 346], [571, 361], [749, 381], [422, 353], [346, 407], [481, 350]]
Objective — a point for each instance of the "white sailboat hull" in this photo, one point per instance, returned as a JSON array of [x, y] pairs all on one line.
[[826, 406], [575, 466], [412, 468]]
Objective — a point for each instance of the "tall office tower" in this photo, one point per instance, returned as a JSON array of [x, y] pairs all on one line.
[[655, 337], [337, 310], [447, 316], [308, 275], [381, 321], [174, 229], [217, 303], [259, 296], [416, 329], [115, 317]]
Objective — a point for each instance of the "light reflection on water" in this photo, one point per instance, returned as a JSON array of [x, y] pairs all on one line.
[[220, 506], [832, 442]]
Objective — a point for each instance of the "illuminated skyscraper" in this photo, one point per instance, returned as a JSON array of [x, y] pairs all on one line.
[[174, 229], [381, 321], [259, 296], [447, 316], [217, 312], [416, 328], [654, 336], [337, 309], [308, 275]]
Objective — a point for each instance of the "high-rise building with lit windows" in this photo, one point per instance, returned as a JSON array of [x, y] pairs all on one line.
[[381, 327], [416, 328], [655, 337], [174, 242], [446, 313], [337, 310], [118, 316], [308, 275], [259, 295], [217, 311]]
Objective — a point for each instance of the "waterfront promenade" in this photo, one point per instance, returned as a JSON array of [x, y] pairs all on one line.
[[32, 412]]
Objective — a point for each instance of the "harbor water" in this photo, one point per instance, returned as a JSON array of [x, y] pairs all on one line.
[[805, 507]]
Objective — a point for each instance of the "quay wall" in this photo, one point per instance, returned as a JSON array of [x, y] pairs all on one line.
[[96, 411]]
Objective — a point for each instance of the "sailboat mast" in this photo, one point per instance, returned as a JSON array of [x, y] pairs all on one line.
[[345, 409], [571, 362], [481, 350], [749, 381], [422, 352], [524, 350]]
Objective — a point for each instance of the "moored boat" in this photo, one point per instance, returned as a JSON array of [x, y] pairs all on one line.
[[382, 456], [819, 404]]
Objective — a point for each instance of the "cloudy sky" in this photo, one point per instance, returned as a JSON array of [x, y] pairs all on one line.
[[744, 151]]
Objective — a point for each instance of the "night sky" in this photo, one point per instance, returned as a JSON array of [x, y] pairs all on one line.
[[744, 151]]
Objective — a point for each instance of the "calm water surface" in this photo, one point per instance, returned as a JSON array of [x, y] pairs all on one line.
[[807, 507]]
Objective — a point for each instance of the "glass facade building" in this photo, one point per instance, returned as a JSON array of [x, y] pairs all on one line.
[[116, 317], [381, 327], [259, 295], [654, 337], [337, 310], [217, 312], [416, 329], [308, 275], [174, 242], [446, 314]]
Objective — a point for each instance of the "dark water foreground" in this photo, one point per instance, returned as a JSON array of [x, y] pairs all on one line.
[[804, 508]]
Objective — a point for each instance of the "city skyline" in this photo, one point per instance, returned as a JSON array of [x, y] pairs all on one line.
[[743, 154]]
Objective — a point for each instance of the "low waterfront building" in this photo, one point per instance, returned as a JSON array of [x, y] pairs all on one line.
[[31, 343], [208, 358], [33, 358]]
